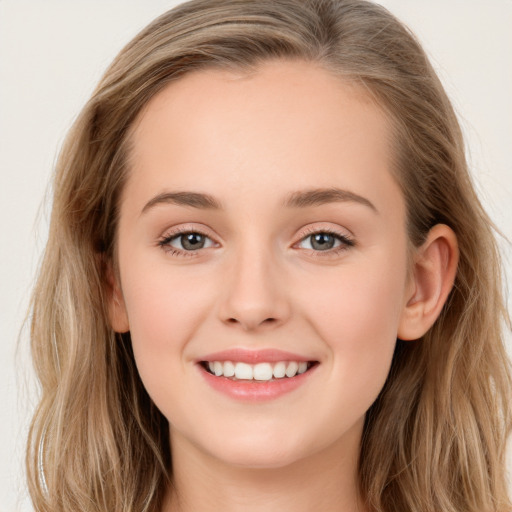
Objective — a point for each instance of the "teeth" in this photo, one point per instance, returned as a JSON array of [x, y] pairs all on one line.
[[292, 368], [303, 366], [229, 369], [260, 371], [218, 368], [243, 371], [279, 370]]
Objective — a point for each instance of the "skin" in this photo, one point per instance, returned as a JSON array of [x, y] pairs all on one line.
[[250, 140]]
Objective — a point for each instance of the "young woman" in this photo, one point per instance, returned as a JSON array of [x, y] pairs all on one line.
[[269, 284]]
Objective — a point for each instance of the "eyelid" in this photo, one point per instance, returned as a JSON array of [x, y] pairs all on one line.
[[315, 228], [346, 239], [173, 233], [187, 228]]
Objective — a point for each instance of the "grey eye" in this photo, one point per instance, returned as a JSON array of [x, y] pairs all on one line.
[[190, 241], [321, 241]]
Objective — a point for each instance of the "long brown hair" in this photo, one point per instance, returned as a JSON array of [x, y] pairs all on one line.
[[434, 439]]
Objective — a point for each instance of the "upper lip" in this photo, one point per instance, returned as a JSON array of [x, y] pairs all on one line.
[[243, 355]]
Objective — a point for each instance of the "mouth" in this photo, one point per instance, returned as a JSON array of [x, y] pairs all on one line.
[[258, 373]]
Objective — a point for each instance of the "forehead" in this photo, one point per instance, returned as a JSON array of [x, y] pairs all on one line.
[[285, 125]]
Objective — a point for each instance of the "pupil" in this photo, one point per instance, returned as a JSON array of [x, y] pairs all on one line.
[[192, 241], [322, 241]]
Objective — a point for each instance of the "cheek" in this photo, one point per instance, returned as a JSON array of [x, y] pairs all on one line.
[[358, 316], [164, 309], [367, 295]]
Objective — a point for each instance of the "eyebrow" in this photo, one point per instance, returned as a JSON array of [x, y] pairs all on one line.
[[192, 199], [319, 196], [298, 199]]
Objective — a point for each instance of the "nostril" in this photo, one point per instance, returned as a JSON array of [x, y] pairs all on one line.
[[250, 324]]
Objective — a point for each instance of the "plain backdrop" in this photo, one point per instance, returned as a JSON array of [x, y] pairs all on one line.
[[52, 53]]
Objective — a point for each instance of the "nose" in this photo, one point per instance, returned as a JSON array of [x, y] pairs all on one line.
[[254, 296]]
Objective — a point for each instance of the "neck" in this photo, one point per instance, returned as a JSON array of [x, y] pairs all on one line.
[[326, 480]]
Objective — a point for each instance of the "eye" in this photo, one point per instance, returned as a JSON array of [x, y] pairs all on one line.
[[326, 241], [183, 242]]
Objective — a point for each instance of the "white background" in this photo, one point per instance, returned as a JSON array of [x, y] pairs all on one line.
[[52, 53]]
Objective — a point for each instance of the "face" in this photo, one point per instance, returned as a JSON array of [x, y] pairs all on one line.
[[261, 226]]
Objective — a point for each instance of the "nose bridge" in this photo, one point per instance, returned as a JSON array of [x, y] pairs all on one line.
[[253, 294]]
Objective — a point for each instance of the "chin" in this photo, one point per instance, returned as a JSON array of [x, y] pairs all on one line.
[[252, 460], [251, 453]]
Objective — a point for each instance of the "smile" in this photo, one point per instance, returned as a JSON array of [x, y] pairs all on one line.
[[256, 376], [261, 372]]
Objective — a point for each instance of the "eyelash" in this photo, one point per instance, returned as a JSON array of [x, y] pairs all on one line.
[[169, 237], [346, 242]]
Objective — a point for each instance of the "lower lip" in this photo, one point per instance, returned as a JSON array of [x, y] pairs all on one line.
[[256, 391]]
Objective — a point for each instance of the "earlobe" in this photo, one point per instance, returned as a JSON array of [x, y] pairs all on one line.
[[433, 275], [115, 301]]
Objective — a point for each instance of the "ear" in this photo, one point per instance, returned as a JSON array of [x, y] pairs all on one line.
[[117, 314], [432, 277]]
